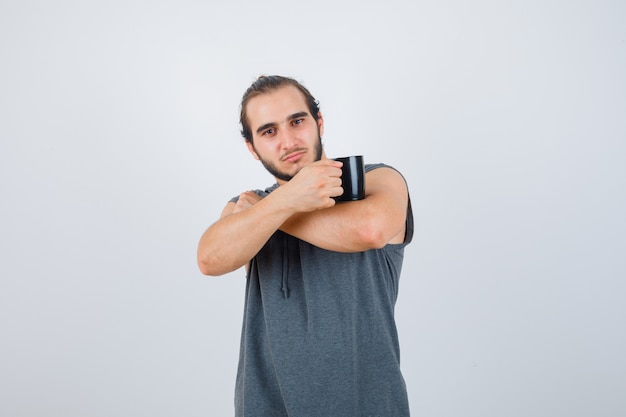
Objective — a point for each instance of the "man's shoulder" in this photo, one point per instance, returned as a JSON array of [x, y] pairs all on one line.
[[372, 167], [260, 193]]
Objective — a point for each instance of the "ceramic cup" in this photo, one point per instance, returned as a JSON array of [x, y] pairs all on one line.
[[352, 178]]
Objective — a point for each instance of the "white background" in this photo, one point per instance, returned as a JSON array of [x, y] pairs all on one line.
[[120, 144]]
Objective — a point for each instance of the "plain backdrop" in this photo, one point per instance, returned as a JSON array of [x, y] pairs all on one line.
[[120, 145]]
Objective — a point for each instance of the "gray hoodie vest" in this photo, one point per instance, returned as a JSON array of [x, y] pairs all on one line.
[[319, 336]]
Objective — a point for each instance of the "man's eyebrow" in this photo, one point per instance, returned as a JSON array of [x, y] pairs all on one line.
[[298, 115], [265, 126], [293, 116]]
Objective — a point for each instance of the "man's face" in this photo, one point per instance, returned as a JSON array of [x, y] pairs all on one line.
[[285, 135]]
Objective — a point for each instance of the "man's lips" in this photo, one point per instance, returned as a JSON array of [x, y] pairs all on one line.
[[293, 156]]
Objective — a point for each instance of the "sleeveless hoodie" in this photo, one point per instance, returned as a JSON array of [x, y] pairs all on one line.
[[319, 336]]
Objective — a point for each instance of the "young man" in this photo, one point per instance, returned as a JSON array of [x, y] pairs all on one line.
[[319, 336]]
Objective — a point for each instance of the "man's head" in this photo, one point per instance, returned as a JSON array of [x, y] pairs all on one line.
[[264, 85], [282, 125]]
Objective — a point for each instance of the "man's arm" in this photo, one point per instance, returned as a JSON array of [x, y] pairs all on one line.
[[243, 228], [236, 237], [361, 225]]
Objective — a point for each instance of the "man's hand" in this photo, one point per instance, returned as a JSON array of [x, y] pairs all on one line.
[[246, 200], [313, 187]]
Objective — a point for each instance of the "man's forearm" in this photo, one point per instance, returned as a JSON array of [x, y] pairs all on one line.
[[357, 226], [339, 228], [233, 240]]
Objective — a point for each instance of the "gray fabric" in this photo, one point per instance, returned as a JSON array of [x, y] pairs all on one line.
[[319, 336]]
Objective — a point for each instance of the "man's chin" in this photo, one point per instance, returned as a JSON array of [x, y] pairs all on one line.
[[287, 176], [280, 175], [293, 169]]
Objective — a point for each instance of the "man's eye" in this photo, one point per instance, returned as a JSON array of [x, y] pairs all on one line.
[[268, 132], [298, 121]]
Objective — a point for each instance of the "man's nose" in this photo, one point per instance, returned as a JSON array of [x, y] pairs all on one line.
[[287, 139]]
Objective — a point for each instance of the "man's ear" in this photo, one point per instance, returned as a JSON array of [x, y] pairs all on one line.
[[251, 149]]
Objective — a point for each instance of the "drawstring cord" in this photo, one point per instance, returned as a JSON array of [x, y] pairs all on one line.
[[284, 285]]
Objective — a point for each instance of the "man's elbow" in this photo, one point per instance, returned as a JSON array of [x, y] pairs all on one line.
[[205, 268], [373, 238], [215, 265], [209, 268]]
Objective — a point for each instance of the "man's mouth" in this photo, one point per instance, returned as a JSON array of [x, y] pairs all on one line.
[[293, 156]]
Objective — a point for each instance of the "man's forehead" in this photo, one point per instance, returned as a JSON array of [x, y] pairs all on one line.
[[277, 104]]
